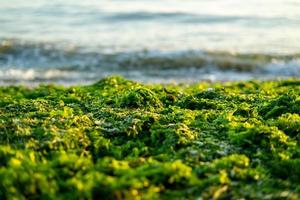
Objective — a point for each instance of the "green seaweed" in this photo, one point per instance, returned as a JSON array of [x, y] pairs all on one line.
[[118, 139]]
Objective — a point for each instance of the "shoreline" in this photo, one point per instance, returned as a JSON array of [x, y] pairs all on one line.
[[33, 63]]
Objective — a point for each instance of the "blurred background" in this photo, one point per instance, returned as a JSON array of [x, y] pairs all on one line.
[[79, 42]]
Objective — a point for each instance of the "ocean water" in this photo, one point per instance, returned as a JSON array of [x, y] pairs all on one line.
[[79, 42]]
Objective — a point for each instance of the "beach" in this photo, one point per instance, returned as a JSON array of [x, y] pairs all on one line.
[[134, 100]]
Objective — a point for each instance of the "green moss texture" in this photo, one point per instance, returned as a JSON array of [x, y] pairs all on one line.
[[118, 139]]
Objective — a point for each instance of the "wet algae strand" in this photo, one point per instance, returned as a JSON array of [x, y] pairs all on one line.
[[119, 139]]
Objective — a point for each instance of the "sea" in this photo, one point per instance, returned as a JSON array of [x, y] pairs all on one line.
[[71, 42]]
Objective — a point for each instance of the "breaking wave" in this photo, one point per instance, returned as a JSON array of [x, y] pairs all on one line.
[[33, 63]]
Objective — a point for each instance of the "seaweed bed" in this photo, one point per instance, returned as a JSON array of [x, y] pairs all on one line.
[[118, 139]]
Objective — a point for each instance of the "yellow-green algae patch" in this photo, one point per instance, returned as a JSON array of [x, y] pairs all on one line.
[[118, 139]]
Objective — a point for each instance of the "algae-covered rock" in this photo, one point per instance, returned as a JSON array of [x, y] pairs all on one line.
[[286, 103], [289, 123], [139, 98], [118, 139]]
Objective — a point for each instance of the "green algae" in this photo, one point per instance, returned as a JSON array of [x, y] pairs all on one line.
[[117, 139]]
